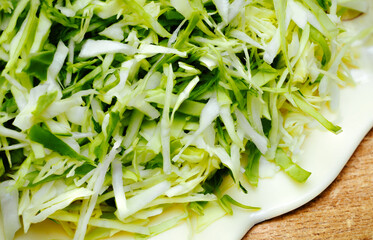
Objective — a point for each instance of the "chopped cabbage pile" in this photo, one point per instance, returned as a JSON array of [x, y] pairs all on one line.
[[115, 113]]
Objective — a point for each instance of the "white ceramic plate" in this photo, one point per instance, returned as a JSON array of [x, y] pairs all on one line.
[[325, 154]]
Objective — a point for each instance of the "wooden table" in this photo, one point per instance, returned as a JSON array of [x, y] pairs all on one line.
[[343, 211]]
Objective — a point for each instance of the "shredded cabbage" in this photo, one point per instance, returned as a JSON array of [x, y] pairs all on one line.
[[116, 113]]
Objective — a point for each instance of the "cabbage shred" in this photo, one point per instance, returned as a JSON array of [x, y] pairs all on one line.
[[114, 113]]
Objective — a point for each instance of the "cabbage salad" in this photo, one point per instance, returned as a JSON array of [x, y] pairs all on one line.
[[131, 115]]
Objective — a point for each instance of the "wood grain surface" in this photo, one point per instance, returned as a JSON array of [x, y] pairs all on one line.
[[343, 211]]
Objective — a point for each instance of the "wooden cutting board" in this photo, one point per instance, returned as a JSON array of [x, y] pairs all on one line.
[[343, 211]]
